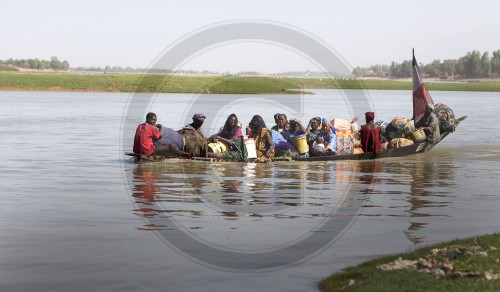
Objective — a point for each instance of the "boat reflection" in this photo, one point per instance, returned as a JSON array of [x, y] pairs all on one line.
[[291, 190], [231, 190], [429, 177]]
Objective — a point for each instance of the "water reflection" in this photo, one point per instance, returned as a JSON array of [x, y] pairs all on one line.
[[430, 177], [292, 190], [230, 190]]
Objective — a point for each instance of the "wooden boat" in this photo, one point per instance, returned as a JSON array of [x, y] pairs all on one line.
[[395, 152], [421, 98]]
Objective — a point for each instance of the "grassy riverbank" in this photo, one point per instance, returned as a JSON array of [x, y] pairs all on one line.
[[43, 81], [461, 265]]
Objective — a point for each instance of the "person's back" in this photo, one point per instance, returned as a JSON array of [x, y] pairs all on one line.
[[370, 135], [145, 135]]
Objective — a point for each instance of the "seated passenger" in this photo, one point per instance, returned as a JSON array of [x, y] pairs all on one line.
[[430, 124], [312, 131], [281, 121], [282, 147], [327, 134], [263, 140], [232, 137], [286, 131], [370, 135], [296, 130], [319, 144], [147, 136], [194, 140]]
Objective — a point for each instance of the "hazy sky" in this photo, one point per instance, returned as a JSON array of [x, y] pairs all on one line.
[[132, 33]]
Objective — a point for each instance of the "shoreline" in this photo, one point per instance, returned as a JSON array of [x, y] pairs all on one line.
[[156, 83], [468, 264]]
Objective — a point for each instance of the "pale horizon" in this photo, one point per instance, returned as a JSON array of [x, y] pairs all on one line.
[[133, 34]]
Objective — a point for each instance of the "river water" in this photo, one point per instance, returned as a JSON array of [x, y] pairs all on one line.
[[78, 215]]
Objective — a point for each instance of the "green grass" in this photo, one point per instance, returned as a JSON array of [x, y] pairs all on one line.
[[207, 84], [367, 277]]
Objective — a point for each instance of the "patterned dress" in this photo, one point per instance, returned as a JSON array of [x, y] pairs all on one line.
[[260, 144]]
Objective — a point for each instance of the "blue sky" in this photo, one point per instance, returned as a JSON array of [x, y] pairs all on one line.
[[133, 33]]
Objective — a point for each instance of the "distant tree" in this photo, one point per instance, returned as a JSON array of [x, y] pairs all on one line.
[[65, 65], [433, 69], [485, 65], [471, 64], [495, 63], [448, 67]]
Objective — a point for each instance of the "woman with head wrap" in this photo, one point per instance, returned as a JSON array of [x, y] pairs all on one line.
[[329, 137], [194, 140], [371, 135], [263, 140]]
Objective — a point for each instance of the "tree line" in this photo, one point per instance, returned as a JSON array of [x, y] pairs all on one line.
[[36, 64], [472, 65]]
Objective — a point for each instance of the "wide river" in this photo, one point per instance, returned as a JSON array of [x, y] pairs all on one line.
[[78, 215]]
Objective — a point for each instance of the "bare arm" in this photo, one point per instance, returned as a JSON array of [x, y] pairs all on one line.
[[269, 144], [223, 140], [302, 127]]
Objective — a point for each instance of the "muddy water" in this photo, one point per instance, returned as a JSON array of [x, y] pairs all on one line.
[[77, 215]]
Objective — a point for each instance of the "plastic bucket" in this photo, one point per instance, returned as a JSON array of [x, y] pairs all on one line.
[[419, 136], [251, 150], [300, 143]]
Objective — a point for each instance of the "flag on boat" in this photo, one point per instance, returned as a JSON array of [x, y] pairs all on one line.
[[421, 96]]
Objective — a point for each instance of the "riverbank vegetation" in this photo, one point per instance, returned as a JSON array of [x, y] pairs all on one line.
[[34, 64], [473, 65], [461, 265], [58, 81]]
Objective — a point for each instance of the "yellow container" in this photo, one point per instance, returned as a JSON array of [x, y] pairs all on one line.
[[217, 147], [419, 136], [300, 143]]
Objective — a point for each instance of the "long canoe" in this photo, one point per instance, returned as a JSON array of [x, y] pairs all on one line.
[[395, 152]]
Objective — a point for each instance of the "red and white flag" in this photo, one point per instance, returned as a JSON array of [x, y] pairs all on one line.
[[421, 96]]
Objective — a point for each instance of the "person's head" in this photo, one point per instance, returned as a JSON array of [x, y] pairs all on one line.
[[315, 123], [429, 108], [369, 117], [151, 118], [257, 123], [232, 121], [319, 139], [286, 127], [230, 127], [276, 118], [282, 120], [198, 120], [326, 125]]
